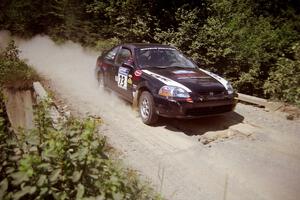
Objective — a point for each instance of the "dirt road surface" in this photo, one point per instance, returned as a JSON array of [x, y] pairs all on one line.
[[246, 154]]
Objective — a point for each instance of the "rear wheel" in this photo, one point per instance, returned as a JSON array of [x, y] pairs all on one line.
[[147, 108], [100, 78]]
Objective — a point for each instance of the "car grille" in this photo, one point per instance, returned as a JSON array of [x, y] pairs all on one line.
[[212, 93], [210, 96], [208, 110]]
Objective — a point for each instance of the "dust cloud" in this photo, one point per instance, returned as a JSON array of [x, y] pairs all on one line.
[[71, 67]]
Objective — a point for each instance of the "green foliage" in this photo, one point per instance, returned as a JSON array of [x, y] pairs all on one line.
[[4, 125], [69, 162], [27, 17], [238, 42], [242, 40], [104, 45], [284, 80], [130, 21], [15, 73]]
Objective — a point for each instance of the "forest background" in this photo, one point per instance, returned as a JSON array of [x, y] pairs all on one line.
[[253, 43]]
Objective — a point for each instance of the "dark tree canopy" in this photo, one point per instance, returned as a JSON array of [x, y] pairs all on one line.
[[254, 43]]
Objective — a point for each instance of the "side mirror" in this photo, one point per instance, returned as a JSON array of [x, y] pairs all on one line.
[[104, 52]]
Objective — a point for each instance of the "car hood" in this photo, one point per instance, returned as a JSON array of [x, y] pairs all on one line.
[[196, 80]]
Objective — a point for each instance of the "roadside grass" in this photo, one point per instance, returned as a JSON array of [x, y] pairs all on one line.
[[68, 161]]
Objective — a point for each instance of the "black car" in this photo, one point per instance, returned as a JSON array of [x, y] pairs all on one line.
[[161, 81]]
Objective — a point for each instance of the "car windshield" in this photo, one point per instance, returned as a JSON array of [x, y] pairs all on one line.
[[162, 57]]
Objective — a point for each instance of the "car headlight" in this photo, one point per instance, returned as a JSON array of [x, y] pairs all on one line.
[[173, 91], [229, 88]]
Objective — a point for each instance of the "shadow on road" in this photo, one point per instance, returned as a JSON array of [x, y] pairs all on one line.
[[201, 125]]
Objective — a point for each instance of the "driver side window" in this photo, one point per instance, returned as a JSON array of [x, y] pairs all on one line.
[[124, 55], [112, 54]]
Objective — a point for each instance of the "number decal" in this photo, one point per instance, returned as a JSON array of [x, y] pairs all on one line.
[[122, 81], [122, 77]]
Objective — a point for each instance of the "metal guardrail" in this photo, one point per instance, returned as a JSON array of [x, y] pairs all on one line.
[[41, 95], [269, 105], [252, 99], [40, 91]]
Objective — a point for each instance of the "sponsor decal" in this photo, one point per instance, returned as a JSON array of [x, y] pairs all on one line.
[[123, 70], [129, 81], [166, 80], [138, 72]]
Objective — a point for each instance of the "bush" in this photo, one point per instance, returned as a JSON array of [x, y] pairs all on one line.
[[15, 73], [284, 80], [70, 162], [105, 45], [3, 117]]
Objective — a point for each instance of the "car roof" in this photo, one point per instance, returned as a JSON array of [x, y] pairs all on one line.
[[146, 45]]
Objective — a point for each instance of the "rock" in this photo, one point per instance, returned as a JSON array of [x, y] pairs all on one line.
[[290, 117]]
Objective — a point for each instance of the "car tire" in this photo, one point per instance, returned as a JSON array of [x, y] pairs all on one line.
[[147, 108]]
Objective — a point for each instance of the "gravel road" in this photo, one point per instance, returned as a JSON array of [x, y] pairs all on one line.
[[246, 154]]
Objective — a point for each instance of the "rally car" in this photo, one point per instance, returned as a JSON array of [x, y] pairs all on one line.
[[160, 81]]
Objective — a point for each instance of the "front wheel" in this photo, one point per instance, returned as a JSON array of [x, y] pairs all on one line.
[[147, 108]]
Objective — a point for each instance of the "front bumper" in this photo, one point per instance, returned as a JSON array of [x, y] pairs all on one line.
[[181, 109]]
